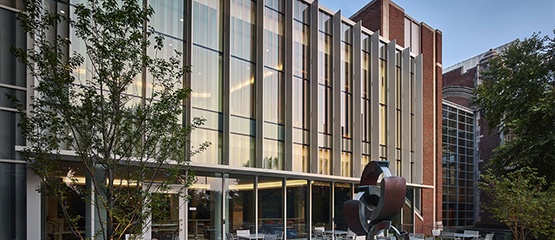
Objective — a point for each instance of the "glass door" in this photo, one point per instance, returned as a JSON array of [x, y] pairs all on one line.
[[204, 209]]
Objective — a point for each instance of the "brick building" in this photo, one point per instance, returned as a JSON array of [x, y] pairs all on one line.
[[458, 82], [298, 99], [394, 24]]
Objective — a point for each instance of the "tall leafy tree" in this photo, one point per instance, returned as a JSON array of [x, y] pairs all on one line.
[[129, 147], [518, 96], [520, 200]]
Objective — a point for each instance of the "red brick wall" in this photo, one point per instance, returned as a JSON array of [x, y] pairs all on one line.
[[457, 78], [427, 47], [439, 147], [439, 127], [439, 45], [397, 24], [371, 17]]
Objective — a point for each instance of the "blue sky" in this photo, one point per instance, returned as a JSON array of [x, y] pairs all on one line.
[[471, 27]]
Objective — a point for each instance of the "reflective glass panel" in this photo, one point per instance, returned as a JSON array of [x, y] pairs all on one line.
[[270, 206]]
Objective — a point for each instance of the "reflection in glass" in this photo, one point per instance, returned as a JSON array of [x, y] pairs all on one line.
[[297, 209], [165, 223], [212, 155], [205, 207], [273, 154], [273, 93], [273, 39], [346, 164], [324, 59], [207, 23], [321, 204], [300, 158], [324, 161], [342, 193], [241, 92], [171, 45], [243, 30], [206, 79], [241, 151], [240, 200], [168, 17], [270, 205]]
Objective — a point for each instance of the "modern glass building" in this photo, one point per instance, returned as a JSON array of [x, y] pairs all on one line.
[[298, 99], [459, 166]]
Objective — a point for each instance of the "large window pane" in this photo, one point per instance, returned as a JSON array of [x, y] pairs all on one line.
[[12, 201], [270, 205], [11, 71], [206, 79], [321, 204], [212, 155], [273, 39], [297, 209], [273, 93], [168, 17], [342, 193], [243, 30], [207, 18], [205, 206], [242, 94], [241, 151], [240, 196]]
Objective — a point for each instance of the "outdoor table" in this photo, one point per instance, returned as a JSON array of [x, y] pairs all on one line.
[[465, 236], [336, 233], [251, 236]]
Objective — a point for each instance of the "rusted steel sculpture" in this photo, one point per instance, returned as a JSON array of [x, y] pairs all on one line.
[[375, 206]]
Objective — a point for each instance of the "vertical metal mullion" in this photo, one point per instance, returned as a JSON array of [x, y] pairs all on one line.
[[256, 217], [288, 75], [336, 94], [405, 115], [309, 207], [284, 207], [357, 100], [225, 204], [226, 69], [375, 96], [187, 61], [332, 205], [258, 82], [313, 48]]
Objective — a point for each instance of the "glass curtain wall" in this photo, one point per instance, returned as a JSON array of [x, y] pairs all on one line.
[[346, 100], [301, 86], [297, 209], [458, 167], [273, 85], [325, 113], [365, 104], [206, 78], [13, 80], [242, 82]]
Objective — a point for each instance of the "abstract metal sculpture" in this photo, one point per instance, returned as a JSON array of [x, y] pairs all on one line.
[[375, 206]]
